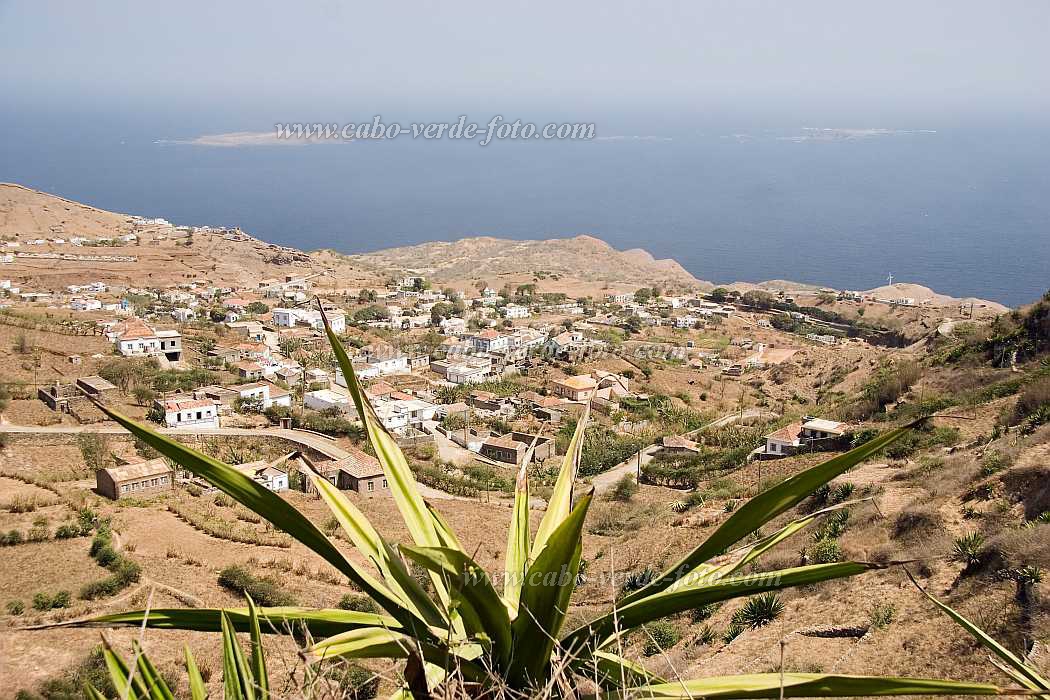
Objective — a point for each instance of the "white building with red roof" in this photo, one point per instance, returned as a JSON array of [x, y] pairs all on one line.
[[190, 413], [136, 338]]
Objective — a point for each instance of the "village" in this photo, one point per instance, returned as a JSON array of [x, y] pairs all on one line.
[[475, 375]]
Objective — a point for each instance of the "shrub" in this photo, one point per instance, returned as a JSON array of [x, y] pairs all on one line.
[[358, 603], [44, 602], [1033, 397], [833, 526], [625, 489], [264, 590], [636, 580], [353, 681], [15, 607], [825, 551], [732, 632], [760, 610], [65, 532], [704, 612], [11, 537], [21, 504], [969, 549], [881, 615], [705, 636], [662, 635], [993, 462], [843, 492]]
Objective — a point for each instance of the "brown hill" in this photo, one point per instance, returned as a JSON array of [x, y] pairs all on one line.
[[160, 256], [583, 258]]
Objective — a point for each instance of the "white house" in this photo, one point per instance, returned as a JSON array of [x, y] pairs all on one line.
[[85, 304], [263, 394], [386, 358], [468, 373], [453, 326], [513, 311], [191, 413], [490, 341], [183, 314], [289, 318], [325, 399], [269, 476], [134, 338]]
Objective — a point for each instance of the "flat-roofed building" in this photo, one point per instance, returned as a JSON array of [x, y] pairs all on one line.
[[138, 480]]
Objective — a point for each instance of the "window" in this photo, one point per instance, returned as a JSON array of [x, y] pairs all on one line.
[[198, 415], [384, 484], [123, 488], [371, 486]]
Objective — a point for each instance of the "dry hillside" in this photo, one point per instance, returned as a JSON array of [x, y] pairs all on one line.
[[582, 258]]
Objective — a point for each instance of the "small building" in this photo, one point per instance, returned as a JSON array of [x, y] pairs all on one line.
[[190, 413], [578, 388], [783, 442], [326, 400], [96, 387], [504, 449], [265, 473], [360, 472], [678, 445], [139, 480], [826, 434], [513, 311]]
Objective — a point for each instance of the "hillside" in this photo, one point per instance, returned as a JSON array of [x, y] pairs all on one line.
[[583, 258], [160, 256]]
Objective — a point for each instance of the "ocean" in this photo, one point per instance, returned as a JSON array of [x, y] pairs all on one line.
[[962, 209]]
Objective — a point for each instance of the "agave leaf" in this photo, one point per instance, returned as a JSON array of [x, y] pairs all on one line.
[[371, 544], [798, 685], [267, 504], [741, 557], [611, 671], [517, 558], [320, 622], [237, 680], [406, 495], [258, 667], [701, 592], [198, 691], [766, 506], [1013, 665], [93, 693], [445, 534], [485, 612], [546, 589], [417, 517], [560, 503], [120, 675], [158, 688], [379, 643]]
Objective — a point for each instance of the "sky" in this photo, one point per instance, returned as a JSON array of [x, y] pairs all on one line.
[[316, 59]]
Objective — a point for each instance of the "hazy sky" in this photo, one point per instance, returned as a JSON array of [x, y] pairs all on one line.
[[947, 55]]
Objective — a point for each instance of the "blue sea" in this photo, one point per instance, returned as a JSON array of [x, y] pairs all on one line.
[[962, 209]]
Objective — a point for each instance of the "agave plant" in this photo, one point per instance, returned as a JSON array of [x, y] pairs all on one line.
[[469, 633]]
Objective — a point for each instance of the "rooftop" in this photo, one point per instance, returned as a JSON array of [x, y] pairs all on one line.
[[357, 464], [139, 470]]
